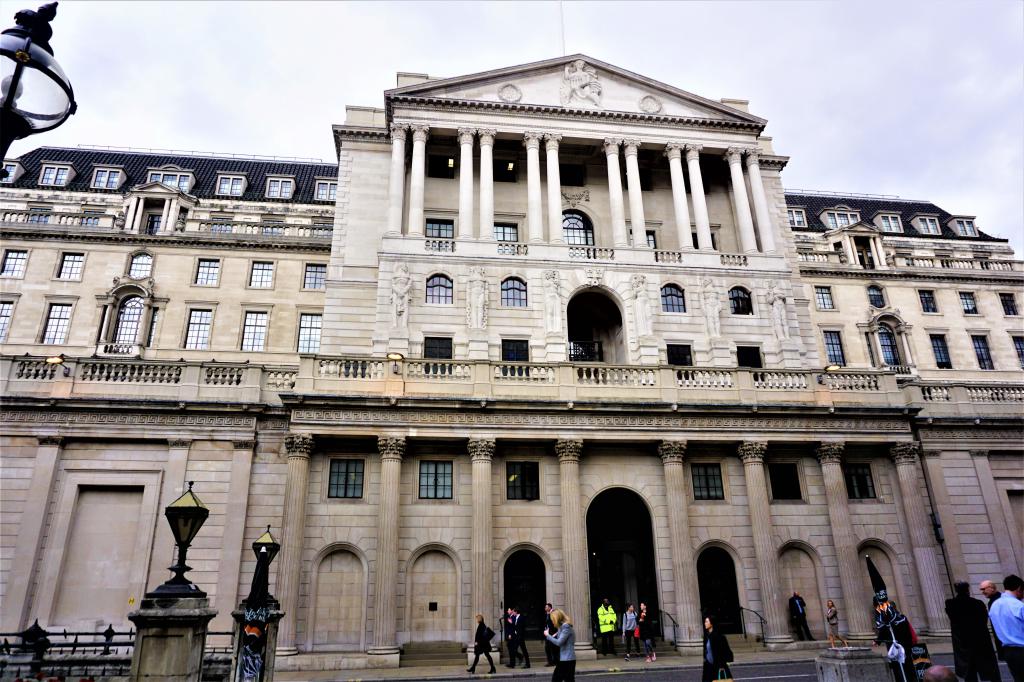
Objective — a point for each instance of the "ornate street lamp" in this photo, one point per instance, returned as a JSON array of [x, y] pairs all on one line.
[[35, 95], [266, 541], [186, 516]]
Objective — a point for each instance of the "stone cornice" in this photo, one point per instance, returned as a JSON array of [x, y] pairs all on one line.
[[344, 133], [40, 415], [191, 240], [928, 274]]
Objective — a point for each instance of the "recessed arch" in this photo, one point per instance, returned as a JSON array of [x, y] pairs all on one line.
[[338, 599], [800, 571], [719, 570], [741, 302], [577, 228], [595, 326], [884, 557], [433, 601], [524, 577]]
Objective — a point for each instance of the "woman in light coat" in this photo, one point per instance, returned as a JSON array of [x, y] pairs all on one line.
[[565, 640]]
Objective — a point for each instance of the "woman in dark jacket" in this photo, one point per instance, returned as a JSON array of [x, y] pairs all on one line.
[[643, 621], [482, 645], [717, 654]]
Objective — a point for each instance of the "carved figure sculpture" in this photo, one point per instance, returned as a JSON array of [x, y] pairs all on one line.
[[580, 82], [476, 311], [712, 310], [641, 305], [780, 322], [552, 302], [401, 285]]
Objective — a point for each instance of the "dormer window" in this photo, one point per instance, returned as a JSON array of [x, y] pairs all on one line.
[[280, 188], [891, 223], [230, 185], [326, 191], [179, 181], [797, 217], [965, 228], [55, 176], [106, 178], [929, 226], [836, 219], [10, 173]]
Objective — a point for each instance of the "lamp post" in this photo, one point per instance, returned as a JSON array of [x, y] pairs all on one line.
[[35, 95], [186, 515]]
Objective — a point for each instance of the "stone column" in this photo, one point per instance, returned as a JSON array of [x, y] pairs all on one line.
[[481, 452], [748, 242], [396, 187], [554, 190], [906, 456], [574, 541], [636, 201], [416, 180], [611, 152], [485, 230], [700, 204], [385, 642], [853, 606], [674, 152], [765, 229], [752, 454], [165, 217], [997, 520], [932, 460], [232, 546], [298, 446], [684, 568], [534, 212], [466, 182]]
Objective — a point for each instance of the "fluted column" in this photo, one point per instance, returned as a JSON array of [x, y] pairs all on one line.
[[485, 230], [674, 152], [396, 185], [416, 180], [554, 189], [853, 607], [748, 242], [764, 220], [298, 446], [611, 152], [752, 454], [906, 456], [574, 540], [636, 200], [466, 136], [481, 452], [683, 566], [385, 613], [534, 210], [700, 203]]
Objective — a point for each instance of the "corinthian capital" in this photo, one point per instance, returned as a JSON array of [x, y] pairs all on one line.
[[480, 449], [752, 451], [298, 444], [693, 152], [486, 136], [673, 150], [551, 141], [391, 448], [905, 453], [51, 440], [611, 146], [630, 146], [420, 133], [830, 452], [569, 450], [672, 451], [531, 140], [466, 135], [752, 159], [398, 131], [734, 154]]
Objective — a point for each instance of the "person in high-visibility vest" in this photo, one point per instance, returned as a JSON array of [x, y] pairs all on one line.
[[606, 620]]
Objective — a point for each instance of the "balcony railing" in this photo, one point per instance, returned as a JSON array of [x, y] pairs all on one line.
[[586, 351], [57, 218], [591, 253], [218, 227], [928, 262]]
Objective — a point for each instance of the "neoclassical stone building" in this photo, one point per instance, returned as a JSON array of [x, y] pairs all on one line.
[[553, 332]]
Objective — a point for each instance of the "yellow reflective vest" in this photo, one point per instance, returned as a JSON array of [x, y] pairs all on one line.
[[606, 618]]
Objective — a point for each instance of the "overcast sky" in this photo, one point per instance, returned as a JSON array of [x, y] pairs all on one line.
[[920, 100]]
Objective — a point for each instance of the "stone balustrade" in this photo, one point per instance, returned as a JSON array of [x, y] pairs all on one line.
[[967, 399], [591, 253], [104, 221], [901, 261], [218, 227], [439, 245]]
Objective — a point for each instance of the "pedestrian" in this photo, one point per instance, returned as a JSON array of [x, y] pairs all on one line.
[[643, 621], [717, 654], [482, 645], [973, 655], [630, 631], [832, 618], [798, 614], [939, 673], [606, 620], [550, 650], [892, 629], [507, 632], [565, 640], [1007, 614], [517, 640], [991, 592]]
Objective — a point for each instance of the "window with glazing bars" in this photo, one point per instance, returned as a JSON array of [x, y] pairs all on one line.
[[315, 276], [876, 297], [230, 186], [39, 215], [969, 303], [1009, 302], [197, 336], [739, 302], [823, 297], [673, 299], [154, 317], [859, 483], [106, 179], [326, 191], [279, 189], [14, 263], [54, 175], [153, 222], [785, 481], [523, 480], [141, 265], [6, 311], [1018, 345], [576, 229], [440, 229], [652, 239], [982, 352], [208, 271], [515, 350], [129, 317], [707, 482], [58, 321], [346, 479], [435, 480], [262, 275], [437, 347], [928, 302], [440, 290], [679, 354], [941, 351], [796, 217], [254, 331], [834, 348], [71, 266], [309, 332], [513, 293], [887, 342], [506, 232]]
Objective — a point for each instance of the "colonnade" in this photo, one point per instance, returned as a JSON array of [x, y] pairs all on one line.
[[479, 225]]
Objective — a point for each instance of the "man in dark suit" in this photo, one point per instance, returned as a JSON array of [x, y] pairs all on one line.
[[973, 655], [550, 650], [798, 614], [517, 640]]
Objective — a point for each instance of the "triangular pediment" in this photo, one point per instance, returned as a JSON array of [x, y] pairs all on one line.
[[858, 228], [575, 82]]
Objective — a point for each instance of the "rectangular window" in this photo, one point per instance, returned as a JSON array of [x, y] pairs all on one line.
[[346, 479], [254, 331], [279, 188], [941, 351], [796, 217], [841, 218], [55, 175], [6, 311], [151, 333], [981, 351], [315, 276], [309, 332], [1009, 302], [14, 263], [504, 170], [71, 266], [229, 185], [91, 220], [1018, 345], [965, 228], [197, 336], [652, 239], [10, 169], [679, 354], [523, 480], [153, 221], [440, 229], [572, 174], [262, 275], [435, 480], [208, 272], [930, 226], [891, 223], [969, 303], [326, 191], [322, 230], [707, 482], [928, 303], [834, 348], [39, 215], [106, 179], [515, 350], [441, 167], [437, 347], [749, 356], [785, 481], [58, 321], [506, 232], [823, 297], [859, 484]]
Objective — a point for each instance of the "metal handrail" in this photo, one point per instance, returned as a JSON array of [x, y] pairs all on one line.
[[675, 628], [743, 621]]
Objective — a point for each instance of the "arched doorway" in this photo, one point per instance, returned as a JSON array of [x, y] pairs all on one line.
[[433, 599], [620, 545], [799, 573], [525, 588], [595, 328], [719, 597]]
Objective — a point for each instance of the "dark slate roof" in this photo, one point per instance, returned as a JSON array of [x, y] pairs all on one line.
[[814, 204], [205, 169]]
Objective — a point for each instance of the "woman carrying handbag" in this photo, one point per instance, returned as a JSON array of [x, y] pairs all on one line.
[[482, 645], [717, 654]]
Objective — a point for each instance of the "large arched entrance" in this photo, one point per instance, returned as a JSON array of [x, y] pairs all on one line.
[[525, 588], [620, 545], [595, 329], [716, 576]]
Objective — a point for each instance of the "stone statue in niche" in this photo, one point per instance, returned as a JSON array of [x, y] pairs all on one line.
[[119, 220], [552, 302], [712, 310], [580, 83], [476, 311], [641, 305], [401, 285], [777, 301]]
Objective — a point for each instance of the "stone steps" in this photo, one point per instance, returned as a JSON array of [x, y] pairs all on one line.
[[422, 654]]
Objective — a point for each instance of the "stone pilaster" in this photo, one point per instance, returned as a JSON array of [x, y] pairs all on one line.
[[674, 152], [466, 136], [993, 509], [554, 189], [765, 229], [298, 447], [534, 213], [683, 565], [385, 641], [481, 452], [611, 152], [752, 454], [748, 242], [485, 230], [233, 538], [574, 540], [631, 148], [396, 185], [416, 179], [700, 203]]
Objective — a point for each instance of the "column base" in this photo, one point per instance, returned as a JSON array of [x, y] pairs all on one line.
[[286, 651], [383, 657], [693, 647], [585, 651]]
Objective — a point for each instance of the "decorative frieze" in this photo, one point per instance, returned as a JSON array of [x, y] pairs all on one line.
[[126, 419]]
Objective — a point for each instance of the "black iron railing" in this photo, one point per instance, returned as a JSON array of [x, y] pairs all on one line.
[[586, 351]]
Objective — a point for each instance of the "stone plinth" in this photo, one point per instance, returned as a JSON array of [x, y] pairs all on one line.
[[853, 664], [170, 640]]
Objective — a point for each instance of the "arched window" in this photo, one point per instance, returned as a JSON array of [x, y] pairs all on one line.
[[129, 317], [887, 341], [440, 290], [876, 297], [513, 293], [577, 229], [739, 301], [141, 266], [673, 300]]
